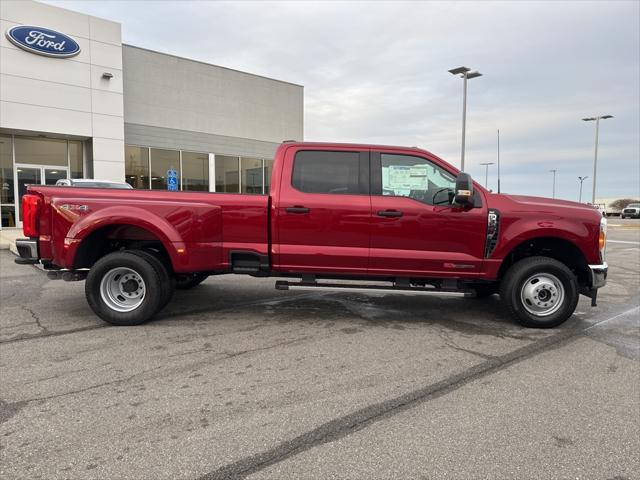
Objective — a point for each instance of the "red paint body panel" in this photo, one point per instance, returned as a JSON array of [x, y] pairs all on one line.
[[198, 230], [332, 237], [340, 234]]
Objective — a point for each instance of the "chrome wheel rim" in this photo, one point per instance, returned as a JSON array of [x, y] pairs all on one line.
[[542, 294], [122, 289]]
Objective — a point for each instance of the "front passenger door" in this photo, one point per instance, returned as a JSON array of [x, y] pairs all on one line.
[[416, 230]]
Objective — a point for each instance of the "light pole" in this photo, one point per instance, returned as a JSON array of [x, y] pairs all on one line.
[[486, 173], [554, 182], [498, 160], [595, 158], [581, 179], [466, 74]]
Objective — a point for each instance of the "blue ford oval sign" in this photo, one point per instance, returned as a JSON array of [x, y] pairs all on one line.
[[43, 41]]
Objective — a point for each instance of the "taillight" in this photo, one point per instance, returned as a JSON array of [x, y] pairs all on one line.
[[30, 214]]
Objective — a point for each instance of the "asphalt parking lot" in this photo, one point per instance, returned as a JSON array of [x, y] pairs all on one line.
[[237, 380]]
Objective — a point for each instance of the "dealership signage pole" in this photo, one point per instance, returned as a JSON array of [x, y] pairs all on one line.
[[465, 74], [554, 182], [595, 157]]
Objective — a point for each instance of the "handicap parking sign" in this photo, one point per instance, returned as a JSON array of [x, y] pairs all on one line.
[[172, 180]]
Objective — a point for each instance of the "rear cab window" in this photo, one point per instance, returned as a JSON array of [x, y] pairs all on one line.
[[331, 172]]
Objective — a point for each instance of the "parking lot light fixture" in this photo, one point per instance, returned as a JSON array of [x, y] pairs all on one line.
[[595, 156], [486, 173], [554, 182], [581, 179], [465, 73]]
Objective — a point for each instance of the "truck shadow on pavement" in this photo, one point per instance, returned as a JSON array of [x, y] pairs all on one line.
[[353, 312]]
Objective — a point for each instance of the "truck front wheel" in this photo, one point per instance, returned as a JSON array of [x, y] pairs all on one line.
[[125, 288], [539, 292]]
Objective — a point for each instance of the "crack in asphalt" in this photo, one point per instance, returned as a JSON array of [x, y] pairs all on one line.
[[25, 337], [47, 333], [36, 318], [346, 425], [454, 346], [92, 387]]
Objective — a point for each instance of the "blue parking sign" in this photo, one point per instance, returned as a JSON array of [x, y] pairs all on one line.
[[172, 180]]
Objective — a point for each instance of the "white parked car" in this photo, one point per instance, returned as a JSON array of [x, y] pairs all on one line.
[[632, 211], [90, 183]]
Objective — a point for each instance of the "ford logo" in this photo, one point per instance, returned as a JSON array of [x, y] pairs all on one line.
[[43, 41]]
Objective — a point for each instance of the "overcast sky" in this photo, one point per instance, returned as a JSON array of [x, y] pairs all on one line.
[[376, 72]]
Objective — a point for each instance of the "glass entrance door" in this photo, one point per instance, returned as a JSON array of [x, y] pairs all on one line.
[[52, 175], [36, 175]]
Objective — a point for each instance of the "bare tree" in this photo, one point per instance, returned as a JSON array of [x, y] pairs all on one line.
[[621, 203]]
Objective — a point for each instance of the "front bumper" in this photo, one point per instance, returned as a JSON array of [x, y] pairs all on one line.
[[28, 251], [599, 275]]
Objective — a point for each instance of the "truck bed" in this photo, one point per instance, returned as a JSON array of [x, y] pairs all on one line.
[[199, 230]]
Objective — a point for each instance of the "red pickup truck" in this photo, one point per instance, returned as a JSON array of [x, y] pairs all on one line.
[[384, 218]]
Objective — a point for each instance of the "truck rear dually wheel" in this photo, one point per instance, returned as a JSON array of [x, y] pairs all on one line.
[[125, 288], [539, 292]]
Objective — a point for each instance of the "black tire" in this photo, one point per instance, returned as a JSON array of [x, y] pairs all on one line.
[[142, 266], [511, 291], [484, 291], [190, 280], [168, 282]]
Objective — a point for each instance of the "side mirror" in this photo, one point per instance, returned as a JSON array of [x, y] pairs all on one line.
[[464, 189]]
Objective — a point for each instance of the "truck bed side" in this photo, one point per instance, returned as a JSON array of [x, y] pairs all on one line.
[[198, 230]]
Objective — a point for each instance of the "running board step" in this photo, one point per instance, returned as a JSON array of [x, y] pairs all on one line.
[[285, 285]]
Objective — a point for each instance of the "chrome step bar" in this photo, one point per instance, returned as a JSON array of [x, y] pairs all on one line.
[[363, 288]]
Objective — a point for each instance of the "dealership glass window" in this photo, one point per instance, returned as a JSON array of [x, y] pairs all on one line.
[[41, 151], [161, 162], [75, 159], [136, 167], [227, 174], [268, 168], [195, 171], [252, 173], [326, 172], [7, 202]]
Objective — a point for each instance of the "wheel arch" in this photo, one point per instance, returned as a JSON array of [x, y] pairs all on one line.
[[557, 248], [111, 226], [109, 238]]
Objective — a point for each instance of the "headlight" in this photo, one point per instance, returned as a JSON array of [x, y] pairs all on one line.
[[602, 238]]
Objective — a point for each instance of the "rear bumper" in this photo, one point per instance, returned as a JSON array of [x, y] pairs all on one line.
[[28, 251], [599, 275]]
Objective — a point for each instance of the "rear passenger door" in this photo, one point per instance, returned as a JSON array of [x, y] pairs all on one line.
[[323, 212]]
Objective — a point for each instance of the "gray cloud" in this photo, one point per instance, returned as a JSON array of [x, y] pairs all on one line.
[[377, 72]]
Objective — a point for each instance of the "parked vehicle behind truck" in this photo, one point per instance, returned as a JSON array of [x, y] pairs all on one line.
[[390, 218]]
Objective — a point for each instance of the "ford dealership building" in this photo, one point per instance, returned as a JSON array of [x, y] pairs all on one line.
[[76, 102]]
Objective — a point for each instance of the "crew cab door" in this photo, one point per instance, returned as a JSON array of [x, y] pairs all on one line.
[[323, 211], [415, 229]]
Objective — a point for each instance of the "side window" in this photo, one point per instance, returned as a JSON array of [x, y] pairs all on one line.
[[326, 172], [417, 178]]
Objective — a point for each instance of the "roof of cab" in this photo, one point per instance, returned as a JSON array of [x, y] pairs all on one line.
[[294, 143]]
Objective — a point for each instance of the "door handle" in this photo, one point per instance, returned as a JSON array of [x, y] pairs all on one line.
[[389, 213], [297, 210]]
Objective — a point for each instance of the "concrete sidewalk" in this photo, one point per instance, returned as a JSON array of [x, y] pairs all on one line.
[[8, 239]]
